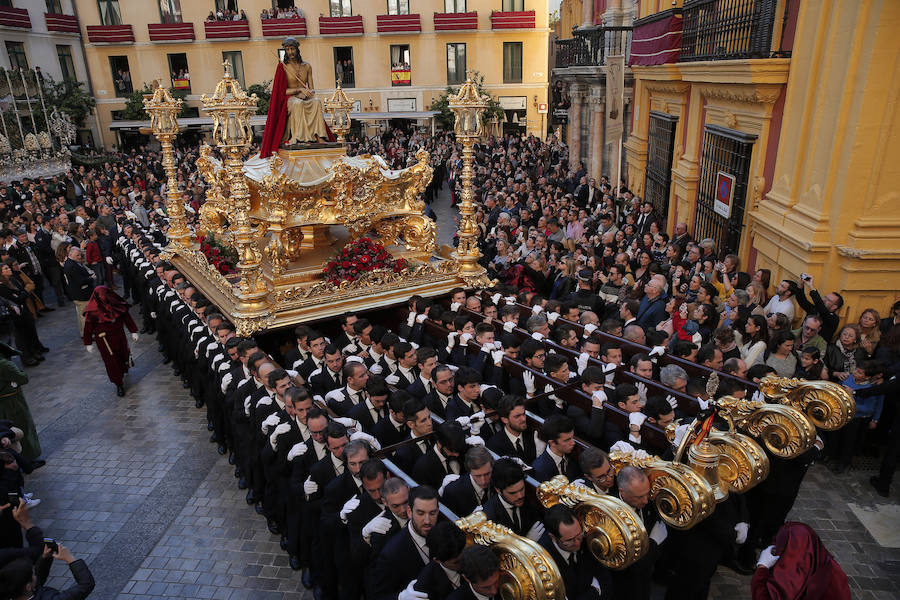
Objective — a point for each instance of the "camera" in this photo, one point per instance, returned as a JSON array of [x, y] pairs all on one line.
[[13, 498], [805, 276], [51, 543]]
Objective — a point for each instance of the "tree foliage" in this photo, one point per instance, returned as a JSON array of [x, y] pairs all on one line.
[[134, 104], [263, 91], [70, 97], [445, 118]]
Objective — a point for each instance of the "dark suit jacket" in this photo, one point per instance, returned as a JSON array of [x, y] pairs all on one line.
[[495, 512], [651, 312], [434, 404], [464, 592], [578, 580], [460, 497], [407, 456], [292, 356], [345, 404], [433, 581], [361, 414], [545, 467], [417, 389], [322, 382], [388, 435], [307, 367], [457, 408], [79, 283], [397, 564], [429, 470], [500, 444]]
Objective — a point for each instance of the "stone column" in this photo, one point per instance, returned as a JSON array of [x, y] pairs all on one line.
[[587, 14], [598, 135], [576, 95]]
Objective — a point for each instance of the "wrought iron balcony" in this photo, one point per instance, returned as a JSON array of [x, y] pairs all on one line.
[[727, 29], [590, 47]]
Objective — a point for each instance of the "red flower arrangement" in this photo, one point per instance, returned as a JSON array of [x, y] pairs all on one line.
[[222, 257], [358, 258]]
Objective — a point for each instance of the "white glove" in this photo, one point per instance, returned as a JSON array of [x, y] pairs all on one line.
[[421, 318], [474, 440], [497, 357], [596, 585], [377, 525], [658, 351], [582, 362], [819, 443], [273, 439], [451, 340], [464, 339], [152, 315], [412, 594], [741, 530], [578, 481], [537, 335], [659, 533], [310, 487], [552, 317], [510, 299], [536, 531], [528, 378], [758, 396], [375, 369], [411, 319], [496, 297], [673, 401], [623, 447], [636, 419], [349, 506], [448, 479], [271, 421], [109, 260], [135, 337], [598, 398], [362, 435], [589, 329], [354, 358], [463, 421], [89, 348], [297, 450], [642, 390], [452, 367], [392, 379], [766, 558], [247, 406], [454, 306], [680, 432], [509, 326], [345, 421], [536, 309]]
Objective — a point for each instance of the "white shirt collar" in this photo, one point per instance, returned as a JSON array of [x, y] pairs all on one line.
[[513, 438], [419, 541], [564, 553], [453, 576]]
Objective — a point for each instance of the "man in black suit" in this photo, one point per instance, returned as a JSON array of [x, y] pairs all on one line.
[[469, 491], [464, 402], [426, 359], [481, 573], [514, 439], [584, 578], [352, 393], [442, 458], [393, 519], [559, 432], [418, 419], [294, 357], [392, 429], [330, 375], [347, 336], [406, 373], [441, 576], [79, 283], [439, 397], [507, 505], [369, 413], [316, 358], [634, 581], [599, 474], [406, 553]]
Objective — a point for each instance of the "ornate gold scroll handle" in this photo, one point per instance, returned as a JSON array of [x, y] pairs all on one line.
[[613, 532], [682, 497], [527, 571], [784, 430], [827, 404]]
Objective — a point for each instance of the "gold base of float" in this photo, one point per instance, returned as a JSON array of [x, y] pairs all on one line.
[[303, 207]]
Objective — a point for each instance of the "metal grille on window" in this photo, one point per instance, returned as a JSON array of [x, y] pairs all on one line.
[[659, 161], [728, 151]]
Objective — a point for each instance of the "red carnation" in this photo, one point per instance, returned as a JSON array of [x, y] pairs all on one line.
[[346, 264]]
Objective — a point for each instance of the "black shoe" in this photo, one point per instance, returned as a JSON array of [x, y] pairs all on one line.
[[37, 464], [186, 384], [221, 449], [143, 330], [283, 543], [40, 357], [177, 372], [250, 498], [273, 527], [295, 563], [210, 426], [259, 508], [305, 577], [30, 362], [214, 438], [883, 489], [237, 473], [44, 348], [738, 568], [198, 403], [231, 459], [120, 390], [318, 594], [242, 483]]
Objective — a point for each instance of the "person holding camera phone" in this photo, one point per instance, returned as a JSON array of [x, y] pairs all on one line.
[[23, 579]]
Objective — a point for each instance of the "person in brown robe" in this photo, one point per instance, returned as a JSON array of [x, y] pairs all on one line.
[[106, 316]]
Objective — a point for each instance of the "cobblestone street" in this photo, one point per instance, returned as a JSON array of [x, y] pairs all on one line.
[[133, 486]]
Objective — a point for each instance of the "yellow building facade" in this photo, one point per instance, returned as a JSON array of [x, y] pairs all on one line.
[[778, 138], [402, 53]]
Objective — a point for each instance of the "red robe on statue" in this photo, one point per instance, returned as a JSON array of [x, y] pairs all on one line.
[[276, 118]]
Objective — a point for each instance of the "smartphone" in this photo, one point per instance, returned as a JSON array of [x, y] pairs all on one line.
[[51, 543], [13, 498]]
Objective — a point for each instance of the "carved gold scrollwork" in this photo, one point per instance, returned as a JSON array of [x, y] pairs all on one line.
[[827, 404], [784, 430], [613, 532], [527, 571], [682, 497]]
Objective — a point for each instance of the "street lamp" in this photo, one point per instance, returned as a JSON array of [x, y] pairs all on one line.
[[231, 108], [467, 106], [163, 110], [339, 106]]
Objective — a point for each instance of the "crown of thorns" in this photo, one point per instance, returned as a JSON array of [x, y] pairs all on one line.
[[290, 42]]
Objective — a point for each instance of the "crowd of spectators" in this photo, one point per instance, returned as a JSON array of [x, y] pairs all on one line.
[[224, 14], [281, 13]]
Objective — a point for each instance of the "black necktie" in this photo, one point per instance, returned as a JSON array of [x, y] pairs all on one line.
[[337, 378], [572, 560], [562, 466], [519, 449], [427, 387], [517, 524]]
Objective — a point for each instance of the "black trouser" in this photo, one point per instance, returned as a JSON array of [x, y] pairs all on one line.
[[845, 440], [54, 275], [889, 461]]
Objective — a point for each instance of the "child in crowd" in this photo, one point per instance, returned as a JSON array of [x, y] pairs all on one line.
[[845, 441], [811, 366]]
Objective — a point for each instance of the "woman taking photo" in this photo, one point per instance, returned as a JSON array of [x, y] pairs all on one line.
[[757, 338]]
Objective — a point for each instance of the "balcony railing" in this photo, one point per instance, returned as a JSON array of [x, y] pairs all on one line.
[[590, 47], [61, 23], [15, 17], [727, 29]]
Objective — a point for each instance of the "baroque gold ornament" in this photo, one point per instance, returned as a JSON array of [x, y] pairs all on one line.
[[784, 431], [613, 532], [527, 571], [339, 106], [827, 404]]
